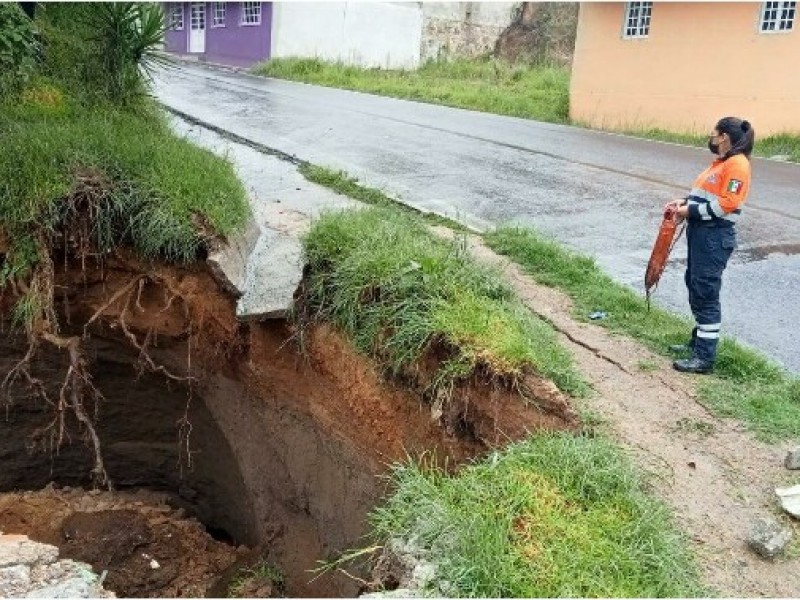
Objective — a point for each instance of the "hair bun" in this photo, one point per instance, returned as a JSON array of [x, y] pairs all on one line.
[[745, 126]]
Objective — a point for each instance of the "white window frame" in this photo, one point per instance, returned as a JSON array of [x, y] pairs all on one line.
[[176, 10], [219, 11], [244, 14], [636, 20], [777, 17]]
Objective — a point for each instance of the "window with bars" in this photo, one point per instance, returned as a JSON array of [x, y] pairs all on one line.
[[176, 17], [637, 19], [777, 17], [251, 13], [219, 14]]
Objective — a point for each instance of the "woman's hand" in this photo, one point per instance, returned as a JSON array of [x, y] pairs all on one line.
[[673, 204], [678, 207]]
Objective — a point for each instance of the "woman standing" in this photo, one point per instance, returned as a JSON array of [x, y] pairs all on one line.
[[712, 210]]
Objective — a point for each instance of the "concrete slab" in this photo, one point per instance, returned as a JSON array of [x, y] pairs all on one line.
[[263, 266], [274, 272]]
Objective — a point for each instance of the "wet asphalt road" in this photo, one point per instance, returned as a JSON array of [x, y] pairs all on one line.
[[599, 193]]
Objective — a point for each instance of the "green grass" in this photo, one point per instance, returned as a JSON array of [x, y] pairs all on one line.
[[257, 575], [345, 184], [780, 144], [399, 291], [155, 182], [746, 385], [552, 516], [486, 85]]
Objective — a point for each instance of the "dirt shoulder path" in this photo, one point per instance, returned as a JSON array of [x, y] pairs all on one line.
[[716, 476]]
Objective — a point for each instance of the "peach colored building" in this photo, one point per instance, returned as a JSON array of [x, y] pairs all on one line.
[[681, 66]]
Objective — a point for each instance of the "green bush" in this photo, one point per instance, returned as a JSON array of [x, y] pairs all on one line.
[[18, 47]]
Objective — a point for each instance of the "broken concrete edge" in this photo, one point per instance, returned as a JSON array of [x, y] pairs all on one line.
[[790, 499], [274, 273], [33, 569], [228, 264]]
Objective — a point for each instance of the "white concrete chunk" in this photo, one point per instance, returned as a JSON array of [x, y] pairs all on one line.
[[274, 271]]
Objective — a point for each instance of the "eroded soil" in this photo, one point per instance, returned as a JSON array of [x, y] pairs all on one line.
[[271, 434], [146, 547]]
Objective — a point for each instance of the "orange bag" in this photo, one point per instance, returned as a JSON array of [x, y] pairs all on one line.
[[668, 235]]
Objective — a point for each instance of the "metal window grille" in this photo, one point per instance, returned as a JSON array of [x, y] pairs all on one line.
[[778, 16], [176, 17], [637, 19], [219, 15], [251, 13]]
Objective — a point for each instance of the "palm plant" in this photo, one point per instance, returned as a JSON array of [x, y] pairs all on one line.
[[130, 36]]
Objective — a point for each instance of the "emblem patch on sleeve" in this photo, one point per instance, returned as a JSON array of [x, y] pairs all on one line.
[[735, 186]]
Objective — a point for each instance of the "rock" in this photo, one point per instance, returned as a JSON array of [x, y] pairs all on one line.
[[18, 551], [768, 538], [14, 579], [790, 499], [32, 570], [423, 575], [792, 460]]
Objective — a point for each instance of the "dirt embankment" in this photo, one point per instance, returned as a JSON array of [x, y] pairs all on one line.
[[269, 442]]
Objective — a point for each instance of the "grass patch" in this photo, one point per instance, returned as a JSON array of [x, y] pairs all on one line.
[[342, 183], [154, 184], [782, 144], [397, 290], [553, 516], [746, 385], [486, 85], [261, 577]]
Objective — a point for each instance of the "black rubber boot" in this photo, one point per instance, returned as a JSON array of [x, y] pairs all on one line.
[[693, 365]]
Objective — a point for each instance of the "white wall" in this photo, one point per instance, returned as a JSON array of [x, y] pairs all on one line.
[[497, 14], [463, 29], [369, 34]]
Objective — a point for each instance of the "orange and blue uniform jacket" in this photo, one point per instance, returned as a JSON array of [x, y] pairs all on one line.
[[720, 191]]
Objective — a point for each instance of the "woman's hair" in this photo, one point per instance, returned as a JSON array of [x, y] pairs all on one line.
[[741, 134]]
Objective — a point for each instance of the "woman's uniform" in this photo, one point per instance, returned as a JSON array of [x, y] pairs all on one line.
[[715, 205]]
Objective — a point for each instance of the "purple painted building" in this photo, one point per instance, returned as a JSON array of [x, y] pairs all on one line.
[[230, 33]]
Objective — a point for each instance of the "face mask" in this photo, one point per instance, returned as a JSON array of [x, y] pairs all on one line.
[[711, 145]]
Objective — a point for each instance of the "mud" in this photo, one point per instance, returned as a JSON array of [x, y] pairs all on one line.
[[270, 438], [146, 547]]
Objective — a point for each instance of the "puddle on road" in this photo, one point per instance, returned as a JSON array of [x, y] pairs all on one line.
[[756, 253]]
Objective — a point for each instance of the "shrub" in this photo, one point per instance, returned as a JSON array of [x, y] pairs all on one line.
[[18, 47]]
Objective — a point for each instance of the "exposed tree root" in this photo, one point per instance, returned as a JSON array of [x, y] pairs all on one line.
[[77, 395]]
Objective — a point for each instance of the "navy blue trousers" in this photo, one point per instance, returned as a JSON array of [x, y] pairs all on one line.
[[710, 247]]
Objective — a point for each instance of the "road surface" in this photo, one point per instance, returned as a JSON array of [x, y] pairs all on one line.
[[599, 193]]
